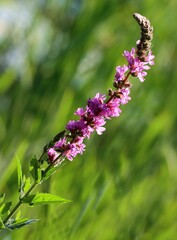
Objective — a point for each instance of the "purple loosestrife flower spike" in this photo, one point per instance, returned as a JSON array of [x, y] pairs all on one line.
[[101, 108]]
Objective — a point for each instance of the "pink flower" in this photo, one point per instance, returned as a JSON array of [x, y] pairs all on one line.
[[52, 154], [120, 73], [97, 124], [77, 147], [150, 58], [113, 109], [136, 66], [76, 126], [80, 112], [125, 96], [96, 105], [59, 144], [66, 149]]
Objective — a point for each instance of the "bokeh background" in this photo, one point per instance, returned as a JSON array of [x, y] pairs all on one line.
[[54, 55]]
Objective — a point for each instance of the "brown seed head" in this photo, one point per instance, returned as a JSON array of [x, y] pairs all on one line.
[[144, 44]]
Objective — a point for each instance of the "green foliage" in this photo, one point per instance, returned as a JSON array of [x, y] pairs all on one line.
[[26, 184], [46, 175], [43, 198], [5, 208], [15, 224], [1, 224], [54, 56], [35, 170]]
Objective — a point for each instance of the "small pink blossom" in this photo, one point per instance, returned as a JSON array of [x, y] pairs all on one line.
[[113, 109], [136, 66], [72, 149], [96, 105], [98, 123], [125, 96], [120, 73], [52, 154]]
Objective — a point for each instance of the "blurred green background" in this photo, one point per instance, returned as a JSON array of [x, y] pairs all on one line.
[[53, 56]]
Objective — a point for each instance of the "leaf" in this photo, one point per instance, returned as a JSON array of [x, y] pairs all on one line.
[[43, 198], [19, 171], [2, 197], [26, 184], [54, 140], [20, 223], [5, 208], [48, 173], [59, 135], [1, 224], [18, 215], [52, 169], [35, 169]]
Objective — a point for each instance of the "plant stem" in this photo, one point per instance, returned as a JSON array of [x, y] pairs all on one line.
[[20, 202], [12, 212], [33, 186]]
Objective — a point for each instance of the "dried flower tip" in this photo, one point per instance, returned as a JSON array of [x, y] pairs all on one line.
[[144, 24], [144, 44]]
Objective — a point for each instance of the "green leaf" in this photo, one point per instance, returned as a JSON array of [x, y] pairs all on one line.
[[35, 169], [54, 140], [43, 198], [1, 224], [18, 215], [26, 184], [20, 223], [2, 196], [5, 208], [47, 174], [19, 171]]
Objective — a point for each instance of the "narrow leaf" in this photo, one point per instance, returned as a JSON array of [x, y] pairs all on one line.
[[43, 198], [26, 184], [52, 169], [18, 215], [19, 171], [24, 180], [1, 224], [20, 223], [5, 208], [2, 196], [35, 169], [49, 173]]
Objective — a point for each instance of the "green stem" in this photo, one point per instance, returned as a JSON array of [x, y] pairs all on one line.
[[20, 202], [33, 186]]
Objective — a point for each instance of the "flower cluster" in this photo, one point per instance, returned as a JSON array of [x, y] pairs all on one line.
[[136, 66], [100, 108]]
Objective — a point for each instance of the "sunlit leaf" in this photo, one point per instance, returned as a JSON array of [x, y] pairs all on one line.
[[18, 215], [44, 198], [35, 169], [26, 184]]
